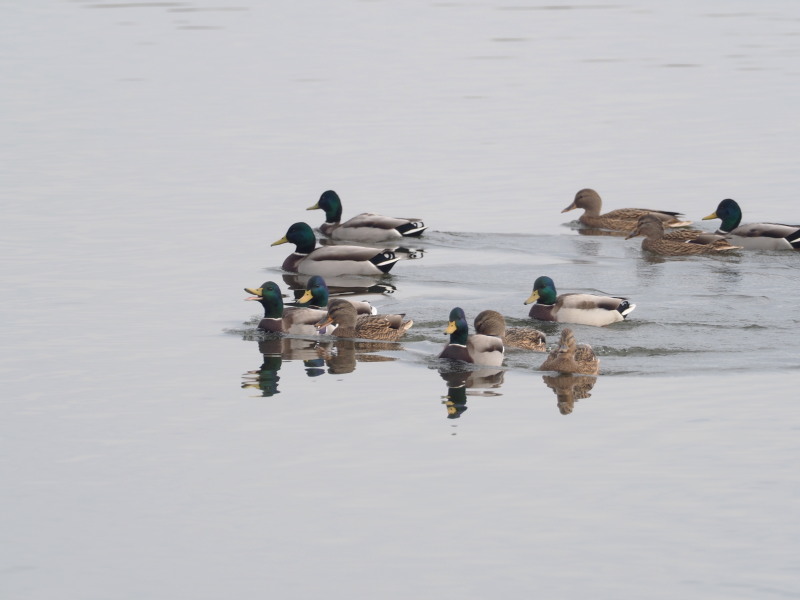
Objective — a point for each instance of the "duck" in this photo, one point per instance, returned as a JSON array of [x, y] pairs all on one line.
[[659, 242], [622, 219], [349, 324], [491, 322], [280, 319], [366, 227], [317, 295], [583, 309], [328, 261], [479, 349], [754, 236], [571, 357]]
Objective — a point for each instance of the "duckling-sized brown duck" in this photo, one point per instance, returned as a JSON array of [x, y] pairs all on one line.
[[622, 219], [571, 357], [491, 322], [349, 324], [656, 240]]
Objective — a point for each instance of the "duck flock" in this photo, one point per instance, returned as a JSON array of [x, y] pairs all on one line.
[[665, 233]]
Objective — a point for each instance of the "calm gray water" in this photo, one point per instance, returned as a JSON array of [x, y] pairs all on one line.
[[153, 445]]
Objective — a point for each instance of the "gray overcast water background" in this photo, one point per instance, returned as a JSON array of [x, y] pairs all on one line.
[[153, 445]]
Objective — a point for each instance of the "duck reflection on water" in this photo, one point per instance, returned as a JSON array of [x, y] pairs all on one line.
[[461, 383], [275, 349], [334, 357], [568, 388]]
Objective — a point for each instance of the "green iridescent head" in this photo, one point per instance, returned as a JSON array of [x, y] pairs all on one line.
[[301, 235], [270, 297], [544, 291], [331, 204], [457, 327], [317, 293], [729, 212]]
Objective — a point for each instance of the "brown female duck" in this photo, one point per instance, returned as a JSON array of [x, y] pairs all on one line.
[[571, 357], [622, 219], [659, 242], [491, 322], [349, 324]]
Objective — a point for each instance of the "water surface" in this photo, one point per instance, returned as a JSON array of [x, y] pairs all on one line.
[[154, 445]]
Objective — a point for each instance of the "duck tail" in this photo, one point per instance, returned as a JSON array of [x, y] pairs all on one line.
[[794, 239], [384, 260], [625, 308], [412, 229]]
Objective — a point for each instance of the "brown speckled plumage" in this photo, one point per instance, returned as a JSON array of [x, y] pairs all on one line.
[[622, 219], [657, 240], [571, 357], [491, 322], [373, 327]]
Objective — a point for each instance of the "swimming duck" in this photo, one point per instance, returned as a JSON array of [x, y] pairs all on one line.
[[622, 219], [366, 227], [585, 309], [479, 349], [332, 260], [656, 240], [280, 319], [491, 322], [317, 295], [754, 236], [349, 324], [571, 357]]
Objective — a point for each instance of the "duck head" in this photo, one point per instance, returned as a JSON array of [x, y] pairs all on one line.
[[457, 327], [649, 226], [544, 291], [586, 199], [301, 235], [317, 293], [330, 202], [341, 313], [729, 212], [490, 322], [270, 297]]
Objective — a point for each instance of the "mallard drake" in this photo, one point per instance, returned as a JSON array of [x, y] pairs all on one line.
[[366, 227], [622, 219], [478, 349], [754, 236], [585, 309], [491, 322], [332, 260], [658, 242], [349, 324], [571, 357], [280, 319], [317, 295]]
